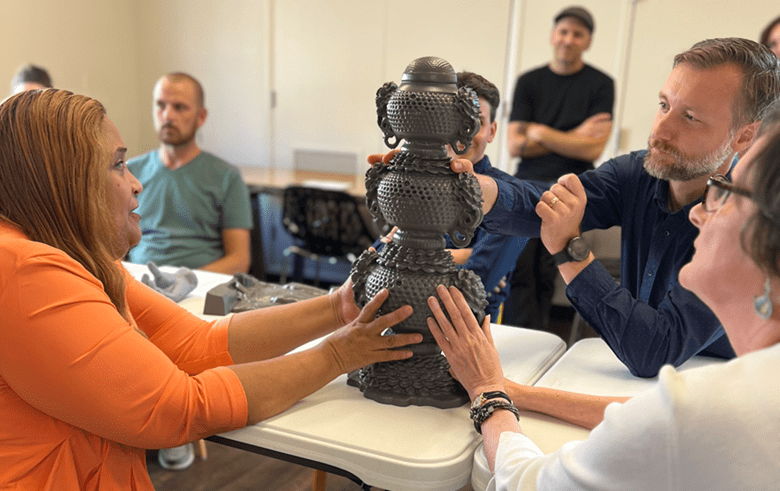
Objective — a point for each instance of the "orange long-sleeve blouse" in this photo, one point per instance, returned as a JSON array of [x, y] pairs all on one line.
[[82, 392]]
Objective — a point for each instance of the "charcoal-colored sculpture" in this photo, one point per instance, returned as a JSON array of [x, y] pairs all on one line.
[[244, 293], [425, 199]]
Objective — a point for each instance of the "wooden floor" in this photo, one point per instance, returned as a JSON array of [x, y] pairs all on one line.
[[232, 469], [228, 468]]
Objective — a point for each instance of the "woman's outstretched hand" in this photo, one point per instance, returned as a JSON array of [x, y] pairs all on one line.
[[469, 347], [361, 343], [342, 302]]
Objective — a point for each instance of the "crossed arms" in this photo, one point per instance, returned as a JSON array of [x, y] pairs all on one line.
[[585, 142]]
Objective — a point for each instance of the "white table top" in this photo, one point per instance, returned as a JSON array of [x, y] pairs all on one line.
[[589, 367]]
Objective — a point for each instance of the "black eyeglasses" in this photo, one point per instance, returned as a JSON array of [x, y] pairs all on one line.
[[718, 190]]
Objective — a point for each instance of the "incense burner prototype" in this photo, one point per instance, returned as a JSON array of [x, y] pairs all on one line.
[[419, 193]]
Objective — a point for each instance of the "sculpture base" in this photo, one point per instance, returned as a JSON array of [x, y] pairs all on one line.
[[420, 380]]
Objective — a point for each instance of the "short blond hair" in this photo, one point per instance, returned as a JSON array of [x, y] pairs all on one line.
[[200, 95]]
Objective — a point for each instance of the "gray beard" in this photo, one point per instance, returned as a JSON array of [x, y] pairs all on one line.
[[685, 167]]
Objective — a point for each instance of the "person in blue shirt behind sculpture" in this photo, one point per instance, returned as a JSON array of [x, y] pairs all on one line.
[[708, 111], [490, 256]]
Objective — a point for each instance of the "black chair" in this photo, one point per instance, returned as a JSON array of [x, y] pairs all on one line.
[[330, 226]]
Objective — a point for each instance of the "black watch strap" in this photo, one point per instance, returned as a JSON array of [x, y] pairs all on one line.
[[562, 257], [576, 250]]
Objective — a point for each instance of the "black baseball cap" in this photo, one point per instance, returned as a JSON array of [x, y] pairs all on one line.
[[579, 13]]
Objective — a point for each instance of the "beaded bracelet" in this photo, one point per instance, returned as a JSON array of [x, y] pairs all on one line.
[[483, 412]]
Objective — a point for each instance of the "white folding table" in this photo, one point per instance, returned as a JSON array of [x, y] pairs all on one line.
[[338, 430]]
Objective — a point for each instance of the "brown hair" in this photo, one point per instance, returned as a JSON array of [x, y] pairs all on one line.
[[761, 236], [760, 72], [483, 87], [54, 179], [767, 31]]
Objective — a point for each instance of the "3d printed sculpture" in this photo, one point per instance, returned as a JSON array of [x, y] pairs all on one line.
[[244, 292], [424, 198]]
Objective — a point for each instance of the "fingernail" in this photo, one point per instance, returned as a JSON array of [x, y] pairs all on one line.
[[457, 166]]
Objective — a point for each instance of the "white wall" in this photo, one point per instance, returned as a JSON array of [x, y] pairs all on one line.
[[88, 46], [226, 46], [331, 57], [325, 60], [328, 65]]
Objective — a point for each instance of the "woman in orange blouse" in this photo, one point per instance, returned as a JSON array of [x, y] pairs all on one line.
[[94, 365]]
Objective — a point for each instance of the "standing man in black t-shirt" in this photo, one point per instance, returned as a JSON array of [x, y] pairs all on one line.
[[560, 122]]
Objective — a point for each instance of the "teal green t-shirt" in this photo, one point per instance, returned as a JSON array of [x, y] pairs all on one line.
[[184, 211]]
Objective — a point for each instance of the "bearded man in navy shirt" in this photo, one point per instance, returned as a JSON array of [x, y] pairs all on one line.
[[708, 112]]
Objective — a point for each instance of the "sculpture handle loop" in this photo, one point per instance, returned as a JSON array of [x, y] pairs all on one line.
[[467, 103], [382, 98]]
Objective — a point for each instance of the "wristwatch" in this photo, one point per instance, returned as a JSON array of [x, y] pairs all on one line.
[[576, 250], [481, 399]]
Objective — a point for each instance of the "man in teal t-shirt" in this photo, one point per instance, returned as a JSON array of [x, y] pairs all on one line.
[[194, 208]]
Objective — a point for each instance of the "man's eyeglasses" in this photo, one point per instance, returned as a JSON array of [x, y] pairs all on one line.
[[718, 190]]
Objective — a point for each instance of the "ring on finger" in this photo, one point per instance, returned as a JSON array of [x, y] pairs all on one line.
[[553, 201]]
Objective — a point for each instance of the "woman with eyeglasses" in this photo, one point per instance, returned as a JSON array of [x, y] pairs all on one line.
[[96, 366], [712, 428]]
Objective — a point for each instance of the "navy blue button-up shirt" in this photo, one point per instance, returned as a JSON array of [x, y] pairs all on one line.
[[648, 320]]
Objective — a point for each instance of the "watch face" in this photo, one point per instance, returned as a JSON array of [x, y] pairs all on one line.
[[578, 249], [478, 401]]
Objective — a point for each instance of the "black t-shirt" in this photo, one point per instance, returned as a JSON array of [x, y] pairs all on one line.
[[561, 102]]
